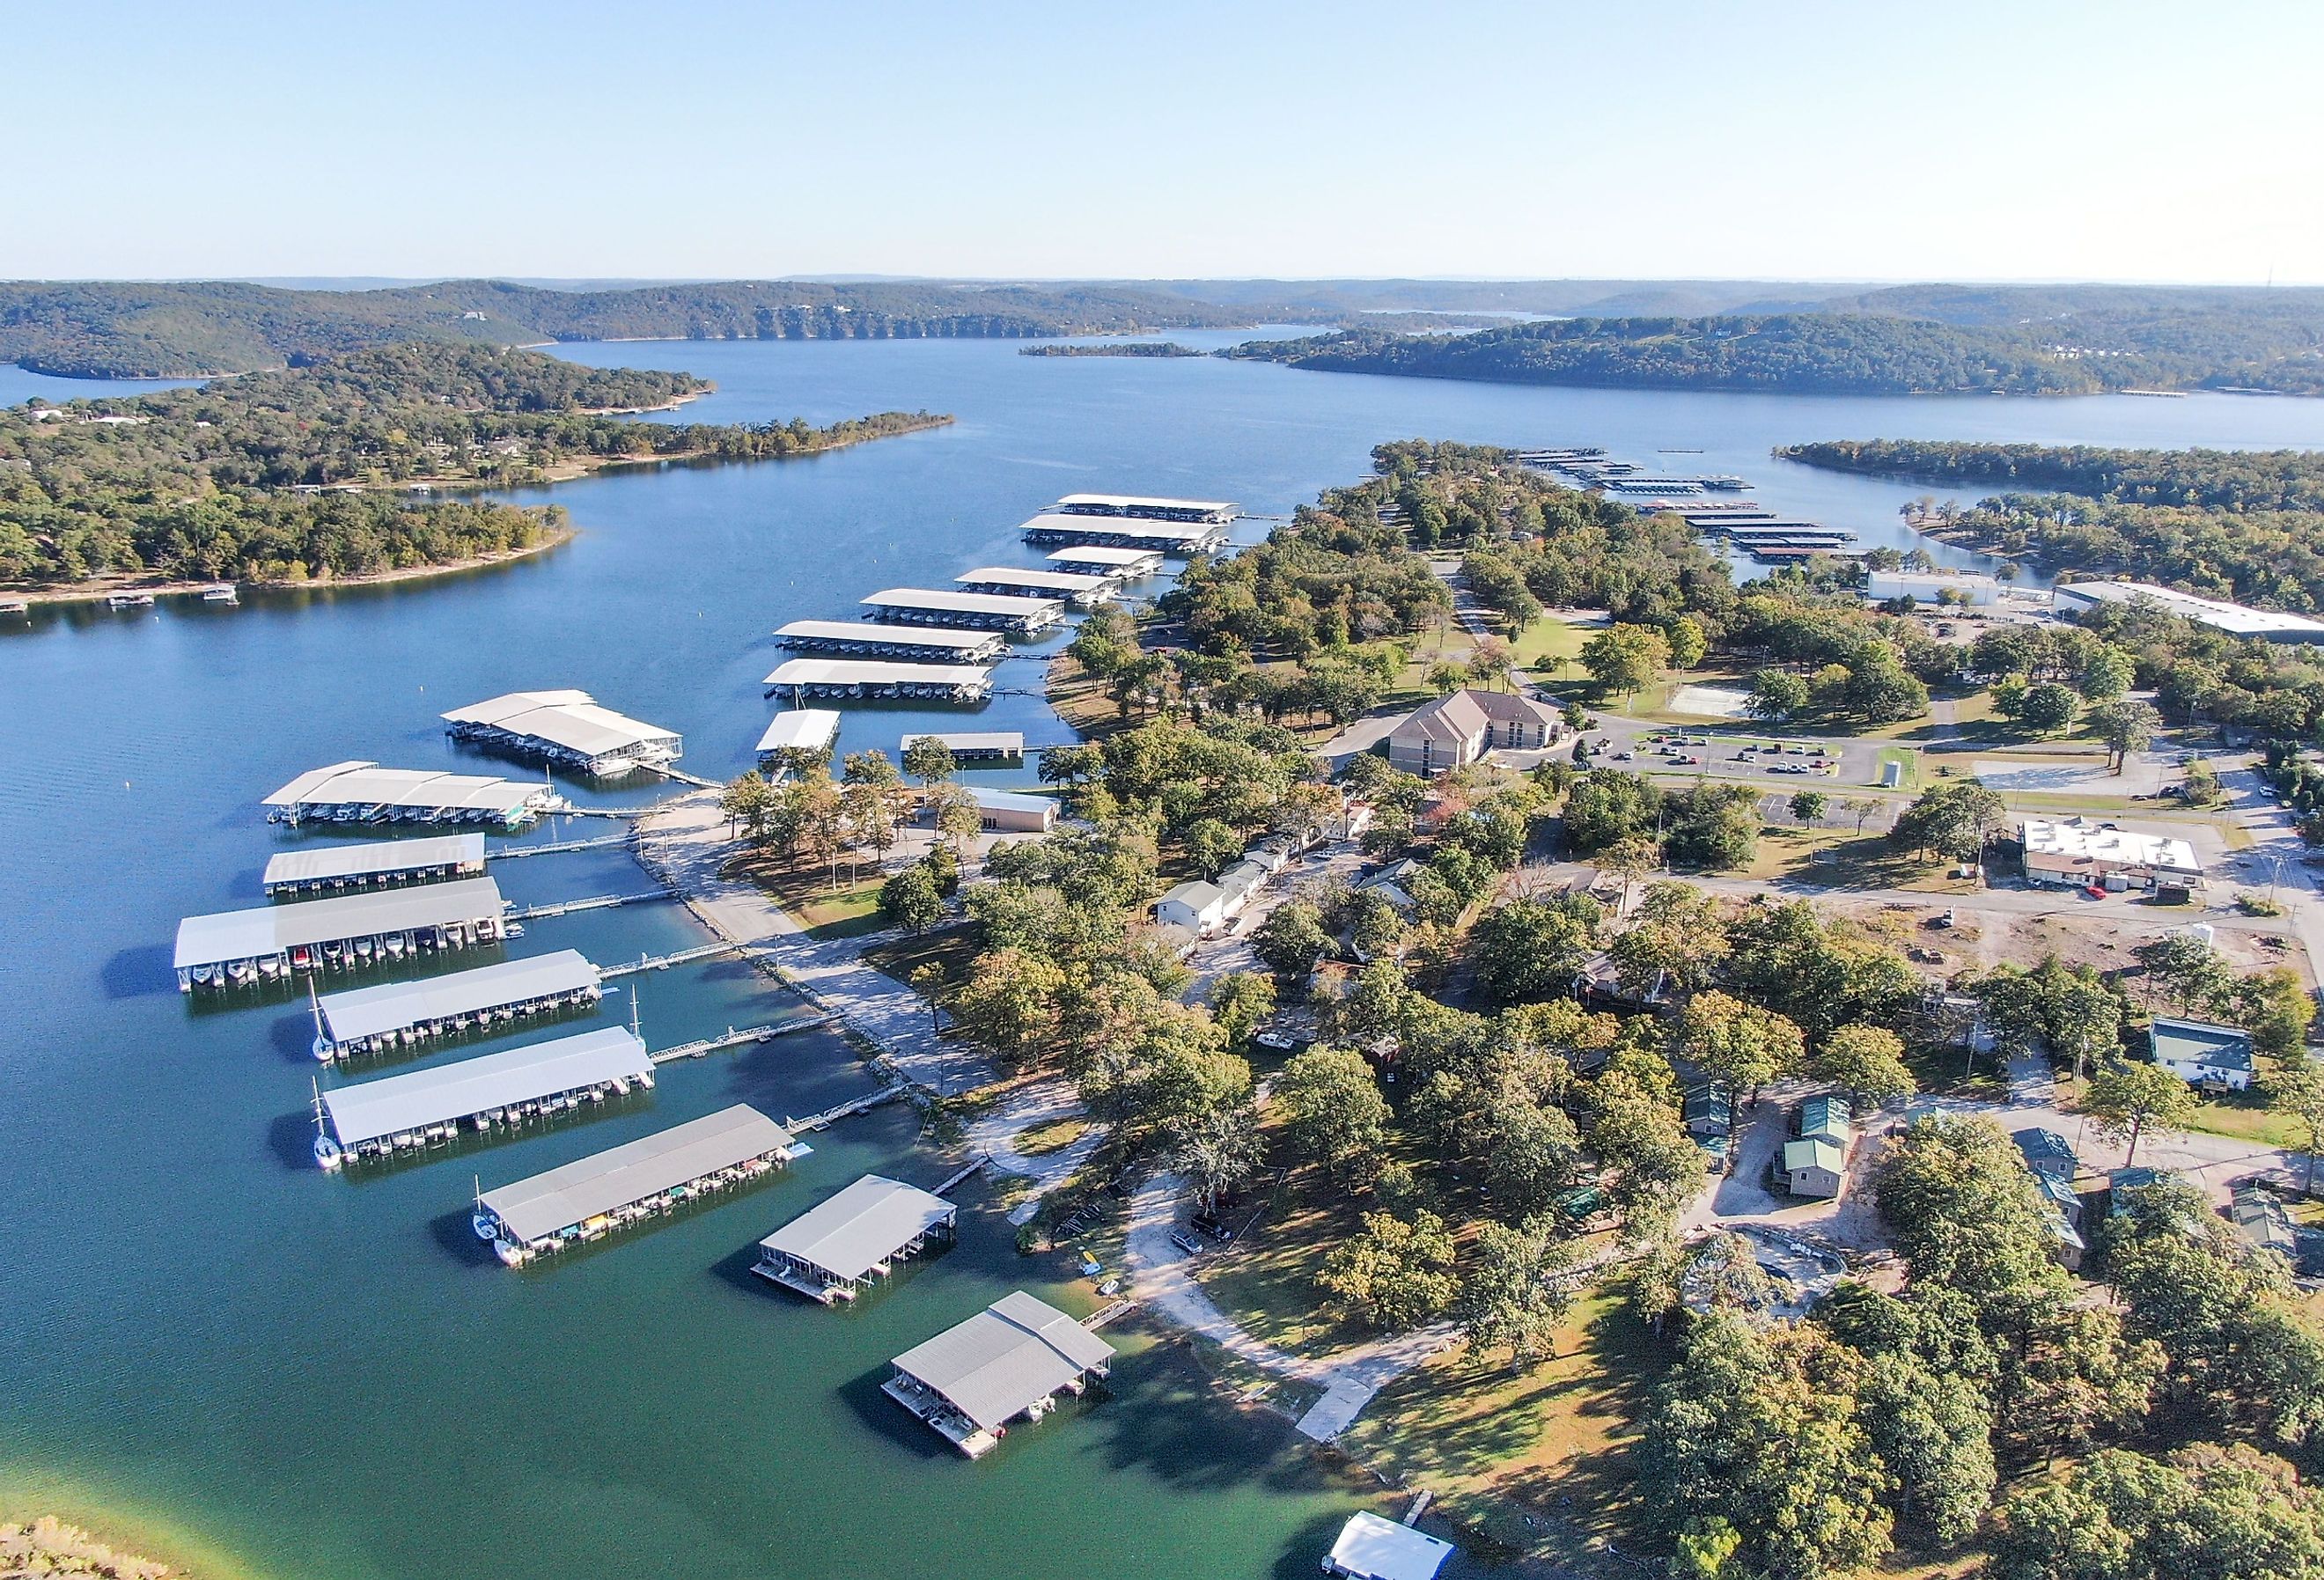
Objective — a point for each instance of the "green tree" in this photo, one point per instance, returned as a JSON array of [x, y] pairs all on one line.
[[1867, 1064], [2106, 674], [1777, 695], [1240, 1002], [1212, 846], [929, 760], [2205, 1513], [1531, 1153], [1740, 1046], [1809, 806], [1334, 1113], [1009, 1003], [1291, 939], [1519, 1287], [2049, 708], [1218, 1149], [2296, 1090], [1687, 642], [1532, 948], [1626, 659], [1952, 820], [2192, 975], [2128, 1099], [1396, 1274], [910, 900]]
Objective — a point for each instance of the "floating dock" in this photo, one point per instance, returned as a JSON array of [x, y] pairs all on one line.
[[384, 864], [15, 605], [977, 746], [365, 792], [1009, 1361], [1150, 507], [803, 730], [236, 948], [978, 611], [589, 1199], [922, 645], [566, 728], [1084, 589], [1098, 559], [831, 1251], [1115, 532], [876, 680], [401, 1113], [398, 1014]]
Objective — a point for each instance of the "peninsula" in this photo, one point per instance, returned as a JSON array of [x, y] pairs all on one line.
[[307, 475]]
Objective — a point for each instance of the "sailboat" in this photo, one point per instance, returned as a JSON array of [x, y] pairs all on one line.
[[324, 1047], [328, 1153]]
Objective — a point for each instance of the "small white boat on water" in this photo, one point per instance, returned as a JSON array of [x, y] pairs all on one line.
[[223, 593], [328, 1154]]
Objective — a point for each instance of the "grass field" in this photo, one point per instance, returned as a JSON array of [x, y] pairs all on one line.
[[826, 909]]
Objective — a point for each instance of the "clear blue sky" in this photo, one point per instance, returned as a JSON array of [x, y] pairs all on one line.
[[2126, 141]]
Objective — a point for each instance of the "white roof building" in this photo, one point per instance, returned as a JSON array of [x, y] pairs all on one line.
[[1153, 507], [322, 866], [1004, 1360], [362, 791], [399, 1104], [565, 726], [840, 1241], [2236, 619], [1372, 1549], [399, 1006], [1106, 560], [2078, 850], [801, 729]]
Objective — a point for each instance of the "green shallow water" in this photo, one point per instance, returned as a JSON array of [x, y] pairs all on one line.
[[208, 1342]]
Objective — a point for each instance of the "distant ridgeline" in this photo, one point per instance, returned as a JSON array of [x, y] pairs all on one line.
[[2246, 525], [1909, 340], [261, 478], [105, 329]]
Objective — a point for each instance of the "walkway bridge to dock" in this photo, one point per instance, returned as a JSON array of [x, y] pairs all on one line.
[[594, 902], [663, 962], [509, 852], [731, 1038], [799, 1127], [1119, 1309], [970, 1167], [680, 774]]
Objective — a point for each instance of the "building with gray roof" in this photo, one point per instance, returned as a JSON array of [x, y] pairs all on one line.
[[374, 863], [231, 947], [1010, 1360], [367, 1020], [375, 1118], [829, 1251]]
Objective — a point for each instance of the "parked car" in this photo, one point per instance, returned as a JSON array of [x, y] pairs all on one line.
[[1185, 1243]]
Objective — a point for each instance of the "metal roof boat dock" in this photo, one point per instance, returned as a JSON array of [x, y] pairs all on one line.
[[564, 727], [1082, 587], [380, 863], [800, 729], [1170, 537], [1010, 1359], [976, 745], [832, 1249], [238, 947], [358, 791], [1099, 559], [984, 611], [397, 1114], [1148, 507], [857, 638], [396, 1014], [589, 1199], [866, 677]]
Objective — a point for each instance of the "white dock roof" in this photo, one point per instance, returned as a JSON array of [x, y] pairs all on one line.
[[875, 672], [1130, 504], [1107, 554], [961, 603], [865, 1223], [532, 1209], [270, 930], [570, 719], [1161, 534], [1059, 581], [1014, 1351], [374, 857], [1372, 1549], [394, 1104], [1011, 742], [937, 636], [367, 784], [802, 729], [367, 1012]]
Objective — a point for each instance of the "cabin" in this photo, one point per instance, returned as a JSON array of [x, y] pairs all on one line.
[[1816, 1163], [2263, 1219], [1196, 906], [2214, 1058]]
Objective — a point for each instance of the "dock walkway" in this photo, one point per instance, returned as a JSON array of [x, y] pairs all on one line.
[[594, 902], [509, 852], [663, 962], [870, 1100], [731, 1038], [970, 1167]]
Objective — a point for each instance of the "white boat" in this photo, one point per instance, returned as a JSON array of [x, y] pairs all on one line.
[[328, 1154], [395, 945], [510, 1252], [242, 970], [219, 595], [129, 601]]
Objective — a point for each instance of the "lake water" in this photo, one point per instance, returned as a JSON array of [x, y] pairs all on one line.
[[328, 1378]]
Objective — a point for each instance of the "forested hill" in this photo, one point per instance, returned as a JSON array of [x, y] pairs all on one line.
[[103, 330], [264, 477], [1858, 354], [2214, 479]]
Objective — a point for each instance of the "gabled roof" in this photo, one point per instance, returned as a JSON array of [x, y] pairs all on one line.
[[2046, 1151], [1814, 1152], [1826, 1116], [1456, 717], [1195, 896], [1016, 1350], [845, 1235], [1513, 707]]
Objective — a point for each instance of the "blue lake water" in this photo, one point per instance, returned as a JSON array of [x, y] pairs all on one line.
[[327, 1378]]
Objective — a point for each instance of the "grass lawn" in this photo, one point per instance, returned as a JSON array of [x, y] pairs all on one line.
[[1547, 639], [1553, 1443], [1908, 774], [1053, 1137], [1836, 858], [951, 951], [1265, 1279], [847, 906], [2245, 1118]]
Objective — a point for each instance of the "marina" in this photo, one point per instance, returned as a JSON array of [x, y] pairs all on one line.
[[1099, 559], [330, 869], [802, 731], [1008, 1362], [855, 639], [977, 746], [856, 1237], [979, 610], [399, 1014], [1148, 507], [361, 792], [1117, 532], [1085, 588], [377, 1119], [876, 681], [566, 728], [237, 947], [626, 1184], [798, 1020]]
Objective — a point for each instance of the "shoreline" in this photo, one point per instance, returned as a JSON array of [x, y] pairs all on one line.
[[58, 597]]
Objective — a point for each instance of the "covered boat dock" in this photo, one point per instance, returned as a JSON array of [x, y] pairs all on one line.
[[589, 1199], [365, 792], [878, 680], [1011, 1359], [1113, 531], [396, 1014], [567, 728], [398, 1114], [976, 745], [1150, 507], [1081, 588], [380, 864], [801, 731], [860, 639], [979, 610], [238, 947], [1098, 559], [831, 1251]]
